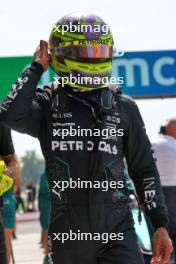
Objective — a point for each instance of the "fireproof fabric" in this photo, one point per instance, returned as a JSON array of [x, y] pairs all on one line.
[[40, 112]]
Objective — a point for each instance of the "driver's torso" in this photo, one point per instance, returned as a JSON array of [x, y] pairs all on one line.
[[78, 157]]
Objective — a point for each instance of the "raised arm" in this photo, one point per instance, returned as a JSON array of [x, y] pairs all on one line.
[[22, 108]]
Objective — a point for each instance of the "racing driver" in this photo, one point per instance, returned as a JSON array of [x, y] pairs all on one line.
[[85, 50]]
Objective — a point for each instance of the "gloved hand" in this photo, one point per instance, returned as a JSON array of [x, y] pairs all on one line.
[[41, 55], [162, 246]]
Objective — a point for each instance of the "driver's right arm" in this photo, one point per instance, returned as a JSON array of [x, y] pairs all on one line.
[[22, 108]]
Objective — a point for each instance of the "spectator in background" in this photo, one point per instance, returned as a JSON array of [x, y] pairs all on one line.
[[7, 154], [44, 203], [165, 150], [19, 200], [31, 194], [19, 206]]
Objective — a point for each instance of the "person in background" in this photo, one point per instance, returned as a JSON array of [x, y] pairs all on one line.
[[143, 228], [19, 200], [165, 151], [7, 154], [44, 204], [31, 194]]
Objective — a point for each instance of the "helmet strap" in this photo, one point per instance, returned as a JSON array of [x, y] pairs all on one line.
[[106, 101]]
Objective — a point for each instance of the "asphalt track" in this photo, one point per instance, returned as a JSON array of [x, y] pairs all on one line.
[[26, 247]]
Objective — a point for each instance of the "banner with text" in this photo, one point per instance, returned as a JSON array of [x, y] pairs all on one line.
[[146, 74]]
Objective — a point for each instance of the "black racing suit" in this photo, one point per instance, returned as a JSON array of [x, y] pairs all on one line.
[[93, 211]]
